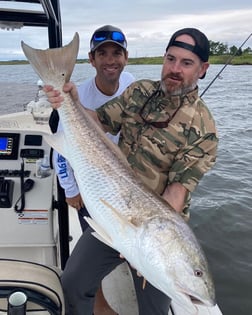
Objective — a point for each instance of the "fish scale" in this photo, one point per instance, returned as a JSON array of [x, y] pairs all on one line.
[[125, 213]]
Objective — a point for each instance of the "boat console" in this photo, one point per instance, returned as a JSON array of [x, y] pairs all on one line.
[[29, 241], [26, 195]]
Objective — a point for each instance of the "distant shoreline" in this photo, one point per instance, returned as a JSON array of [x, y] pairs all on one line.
[[223, 59]]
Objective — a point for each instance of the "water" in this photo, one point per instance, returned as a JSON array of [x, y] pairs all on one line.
[[221, 211]]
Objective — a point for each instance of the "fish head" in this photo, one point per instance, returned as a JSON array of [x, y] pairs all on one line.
[[173, 261]]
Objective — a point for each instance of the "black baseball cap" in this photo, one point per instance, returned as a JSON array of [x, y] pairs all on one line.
[[201, 47], [108, 34]]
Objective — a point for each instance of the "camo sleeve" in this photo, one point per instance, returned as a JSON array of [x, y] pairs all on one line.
[[198, 155]]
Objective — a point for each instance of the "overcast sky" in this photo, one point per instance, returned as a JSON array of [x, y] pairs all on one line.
[[147, 24]]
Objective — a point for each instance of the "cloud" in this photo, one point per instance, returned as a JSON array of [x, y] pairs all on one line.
[[147, 24]]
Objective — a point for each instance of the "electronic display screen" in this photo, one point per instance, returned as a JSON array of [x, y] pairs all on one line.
[[5, 145], [9, 143]]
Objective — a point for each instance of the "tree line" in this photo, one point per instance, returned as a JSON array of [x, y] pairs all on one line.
[[218, 48]]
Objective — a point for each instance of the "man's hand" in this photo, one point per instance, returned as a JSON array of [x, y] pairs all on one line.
[[55, 97], [75, 202], [175, 194]]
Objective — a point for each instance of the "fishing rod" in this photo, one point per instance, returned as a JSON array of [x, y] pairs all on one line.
[[226, 64]]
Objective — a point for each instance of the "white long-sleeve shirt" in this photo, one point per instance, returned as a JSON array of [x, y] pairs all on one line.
[[92, 98]]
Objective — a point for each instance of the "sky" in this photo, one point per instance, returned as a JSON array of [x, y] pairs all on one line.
[[148, 24]]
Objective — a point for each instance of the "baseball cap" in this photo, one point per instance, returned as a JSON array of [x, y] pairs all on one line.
[[201, 47], [108, 34]]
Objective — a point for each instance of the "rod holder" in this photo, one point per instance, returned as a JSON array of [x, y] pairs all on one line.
[[17, 303]]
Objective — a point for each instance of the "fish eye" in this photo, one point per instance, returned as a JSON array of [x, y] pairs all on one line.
[[198, 273]]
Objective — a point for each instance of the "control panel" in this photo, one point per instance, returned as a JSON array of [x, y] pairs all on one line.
[[21, 156], [27, 225]]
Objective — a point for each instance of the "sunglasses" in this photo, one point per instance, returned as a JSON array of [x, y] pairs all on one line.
[[151, 101], [105, 35]]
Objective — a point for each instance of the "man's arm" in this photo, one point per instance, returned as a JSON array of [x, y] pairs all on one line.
[[67, 180]]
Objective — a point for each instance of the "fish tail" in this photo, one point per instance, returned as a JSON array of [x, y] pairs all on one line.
[[54, 65]]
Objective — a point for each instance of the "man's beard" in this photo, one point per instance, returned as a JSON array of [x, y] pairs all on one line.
[[178, 92]]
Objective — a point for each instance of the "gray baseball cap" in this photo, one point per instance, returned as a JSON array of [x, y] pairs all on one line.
[[108, 34]]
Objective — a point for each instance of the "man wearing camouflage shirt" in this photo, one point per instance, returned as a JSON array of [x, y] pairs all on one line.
[[170, 140]]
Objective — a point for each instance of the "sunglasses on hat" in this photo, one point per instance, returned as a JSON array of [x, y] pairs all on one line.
[[105, 35]]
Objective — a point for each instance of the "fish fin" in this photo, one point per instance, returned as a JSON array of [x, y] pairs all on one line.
[[53, 65], [99, 233], [57, 142], [121, 217], [100, 238]]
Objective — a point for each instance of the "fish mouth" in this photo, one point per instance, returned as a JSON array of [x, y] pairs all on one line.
[[191, 302], [194, 300], [200, 301], [197, 301]]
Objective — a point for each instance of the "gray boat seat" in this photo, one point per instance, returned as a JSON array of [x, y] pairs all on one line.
[[40, 283]]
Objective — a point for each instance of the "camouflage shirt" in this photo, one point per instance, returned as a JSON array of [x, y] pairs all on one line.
[[165, 139]]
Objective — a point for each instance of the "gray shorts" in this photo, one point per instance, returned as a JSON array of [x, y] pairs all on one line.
[[90, 261]]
